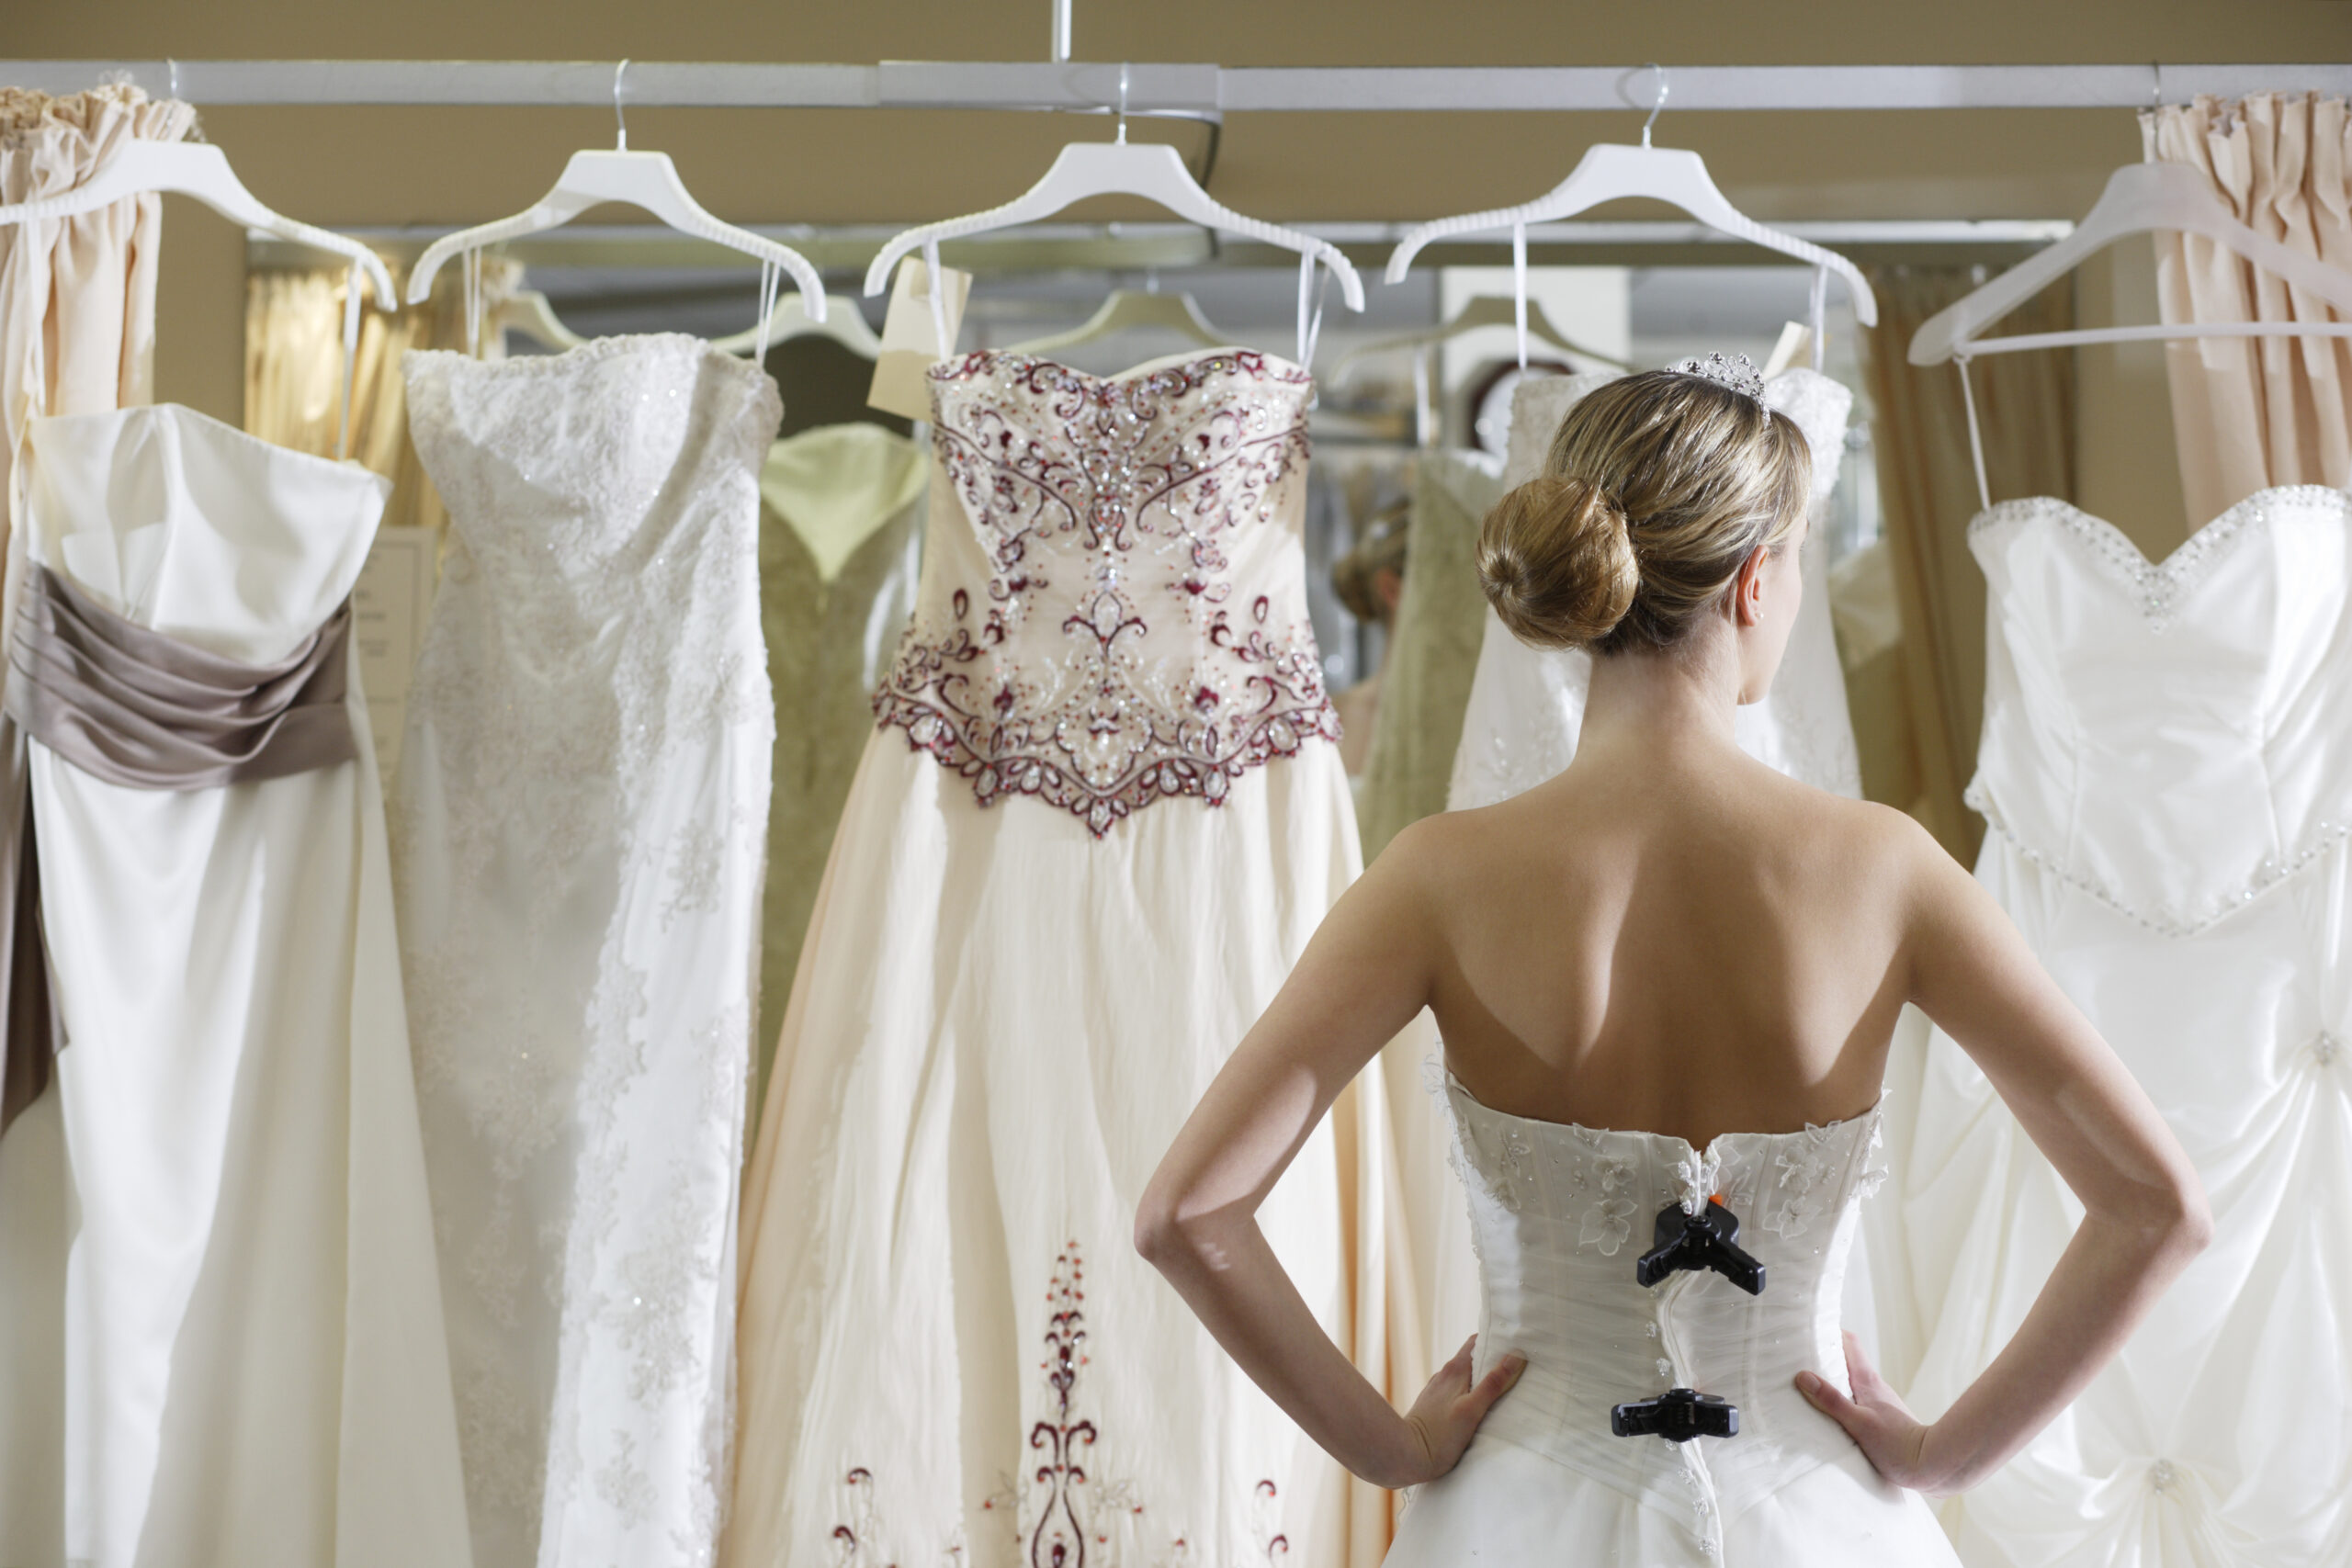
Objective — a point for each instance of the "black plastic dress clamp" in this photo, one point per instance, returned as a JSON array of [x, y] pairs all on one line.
[[1678, 1416], [1703, 1240]]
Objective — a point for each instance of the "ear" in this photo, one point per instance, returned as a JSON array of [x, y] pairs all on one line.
[[1747, 589]]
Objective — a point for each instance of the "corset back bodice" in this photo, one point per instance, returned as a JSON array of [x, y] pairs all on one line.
[[1113, 607], [1559, 1215]]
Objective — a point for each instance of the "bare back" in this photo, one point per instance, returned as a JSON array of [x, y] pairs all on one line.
[[1687, 944], [1668, 938]]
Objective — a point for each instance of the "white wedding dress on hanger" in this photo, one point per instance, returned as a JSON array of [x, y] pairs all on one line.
[[581, 810], [2167, 771], [1527, 705], [1099, 820], [256, 1370]]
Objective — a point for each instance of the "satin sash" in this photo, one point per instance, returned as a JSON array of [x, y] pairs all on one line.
[[132, 707]]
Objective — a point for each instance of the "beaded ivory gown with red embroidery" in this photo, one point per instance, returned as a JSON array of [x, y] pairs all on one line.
[[1098, 821]]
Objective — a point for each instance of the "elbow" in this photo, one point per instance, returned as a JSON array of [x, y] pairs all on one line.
[[2176, 1219], [2166, 1219], [2192, 1223], [1159, 1226], [1157, 1233]]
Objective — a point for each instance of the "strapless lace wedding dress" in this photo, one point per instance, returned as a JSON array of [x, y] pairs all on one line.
[[1563, 1217]]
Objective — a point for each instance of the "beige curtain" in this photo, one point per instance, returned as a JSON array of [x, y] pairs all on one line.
[[294, 370], [77, 295], [1927, 493], [2249, 413]]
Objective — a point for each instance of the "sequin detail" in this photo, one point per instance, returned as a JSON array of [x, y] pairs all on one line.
[[1115, 654]]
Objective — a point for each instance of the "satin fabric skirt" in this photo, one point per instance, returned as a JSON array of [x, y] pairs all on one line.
[[253, 1369], [1505, 1505], [2220, 1435], [948, 1343]]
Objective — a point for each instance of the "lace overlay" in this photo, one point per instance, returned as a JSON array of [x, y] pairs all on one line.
[[579, 833], [1124, 620]]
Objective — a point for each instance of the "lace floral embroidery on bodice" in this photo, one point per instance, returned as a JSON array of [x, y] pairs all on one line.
[[1134, 625]]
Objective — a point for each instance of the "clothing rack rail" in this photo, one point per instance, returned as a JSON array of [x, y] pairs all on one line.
[[1179, 90]]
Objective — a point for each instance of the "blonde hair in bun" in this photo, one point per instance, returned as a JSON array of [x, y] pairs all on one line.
[[1556, 559], [1657, 489]]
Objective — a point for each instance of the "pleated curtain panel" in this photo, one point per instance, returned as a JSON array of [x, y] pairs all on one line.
[[294, 370], [2252, 412]]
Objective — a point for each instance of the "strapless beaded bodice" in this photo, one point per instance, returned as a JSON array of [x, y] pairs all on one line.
[[1120, 615], [1560, 1214]]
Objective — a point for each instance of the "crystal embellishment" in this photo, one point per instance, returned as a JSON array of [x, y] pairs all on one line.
[[1735, 371], [1133, 623]]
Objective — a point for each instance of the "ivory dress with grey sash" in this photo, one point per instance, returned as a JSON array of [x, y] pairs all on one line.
[[255, 1366]]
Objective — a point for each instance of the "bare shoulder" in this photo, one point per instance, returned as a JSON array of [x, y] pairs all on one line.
[[1429, 854], [1850, 838]]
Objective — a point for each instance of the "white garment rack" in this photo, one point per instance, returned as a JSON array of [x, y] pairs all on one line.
[[1206, 92]]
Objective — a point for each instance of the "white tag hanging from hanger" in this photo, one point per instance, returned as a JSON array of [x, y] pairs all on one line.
[[918, 332]]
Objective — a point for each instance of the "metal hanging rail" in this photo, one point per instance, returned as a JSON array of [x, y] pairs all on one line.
[[1195, 91]]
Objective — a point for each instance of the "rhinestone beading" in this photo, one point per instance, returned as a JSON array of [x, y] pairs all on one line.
[[1113, 655]]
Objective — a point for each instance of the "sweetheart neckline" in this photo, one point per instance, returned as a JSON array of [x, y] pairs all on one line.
[[1133, 373], [2201, 540]]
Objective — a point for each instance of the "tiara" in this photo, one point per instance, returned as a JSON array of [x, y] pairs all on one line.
[[1737, 371]]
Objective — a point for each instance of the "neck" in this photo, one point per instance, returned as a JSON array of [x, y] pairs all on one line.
[[1655, 700]]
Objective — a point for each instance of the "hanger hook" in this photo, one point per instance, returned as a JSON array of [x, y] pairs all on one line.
[[175, 88], [1123, 102], [1658, 105], [621, 116], [2157, 86]]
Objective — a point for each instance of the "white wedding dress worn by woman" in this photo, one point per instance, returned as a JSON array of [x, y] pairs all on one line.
[[2166, 772], [1098, 821], [1525, 709], [1527, 704], [1562, 1216], [582, 805]]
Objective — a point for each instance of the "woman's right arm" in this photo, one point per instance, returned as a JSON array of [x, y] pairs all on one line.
[[2144, 1212]]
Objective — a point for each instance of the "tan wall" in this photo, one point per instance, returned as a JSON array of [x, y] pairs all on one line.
[[378, 165]]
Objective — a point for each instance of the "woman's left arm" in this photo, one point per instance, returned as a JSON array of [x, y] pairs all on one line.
[[1364, 976]]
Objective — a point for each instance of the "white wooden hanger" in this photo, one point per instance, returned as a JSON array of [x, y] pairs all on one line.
[[2139, 199], [790, 319], [1151, 171], [201, 170], [1133, 310], [645, 180], [1610, 171]]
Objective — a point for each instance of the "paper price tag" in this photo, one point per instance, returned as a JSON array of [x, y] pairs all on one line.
[[911, 343], [1795, 338]]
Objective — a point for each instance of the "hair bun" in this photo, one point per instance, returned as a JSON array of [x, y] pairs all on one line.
[[1555, 556]]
